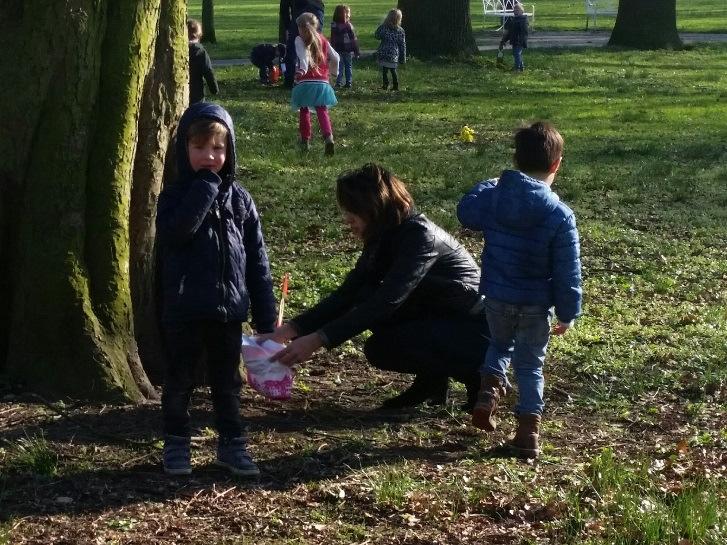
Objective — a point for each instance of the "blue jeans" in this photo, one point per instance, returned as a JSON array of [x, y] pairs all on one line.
[[345, 67], [519, 333], [517, 56]]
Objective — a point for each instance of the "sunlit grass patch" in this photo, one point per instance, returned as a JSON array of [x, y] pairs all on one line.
[[31, 454], [640, 503]]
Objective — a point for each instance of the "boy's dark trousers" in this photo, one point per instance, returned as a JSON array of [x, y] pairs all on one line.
[[394, 77], [187, 343]]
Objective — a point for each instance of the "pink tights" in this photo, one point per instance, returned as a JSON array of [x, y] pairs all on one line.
[[323, 120]]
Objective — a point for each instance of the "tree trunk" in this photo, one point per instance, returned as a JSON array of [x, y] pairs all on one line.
[[208, 22], [67, 145], [166, 92], [646, 24], [434, 27]]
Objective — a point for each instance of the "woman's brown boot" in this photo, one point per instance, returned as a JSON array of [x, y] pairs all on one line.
[[492, 388], [525, 442]]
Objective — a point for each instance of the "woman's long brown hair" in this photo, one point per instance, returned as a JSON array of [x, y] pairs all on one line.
[[377, 196]]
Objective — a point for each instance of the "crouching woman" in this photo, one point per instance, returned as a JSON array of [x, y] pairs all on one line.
[[414, 287]]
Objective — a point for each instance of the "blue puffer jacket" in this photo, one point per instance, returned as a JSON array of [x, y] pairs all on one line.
[[532, 253], [213, 258]]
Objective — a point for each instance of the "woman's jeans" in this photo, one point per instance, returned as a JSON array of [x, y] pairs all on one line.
[[187, 343], [433, 347], [324, 120], [519, 333], [517, 57], [345, 67]]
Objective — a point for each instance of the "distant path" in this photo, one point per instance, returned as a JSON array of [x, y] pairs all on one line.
[[536, 39]]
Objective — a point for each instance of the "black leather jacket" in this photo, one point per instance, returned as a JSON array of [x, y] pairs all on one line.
[[414, 270]]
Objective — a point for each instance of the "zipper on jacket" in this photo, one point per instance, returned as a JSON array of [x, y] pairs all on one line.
[[181, 285], [222, 233]]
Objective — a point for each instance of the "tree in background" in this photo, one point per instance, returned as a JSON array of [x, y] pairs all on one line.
[[208, 22], [646, 24], [83, 143], [434, 27]]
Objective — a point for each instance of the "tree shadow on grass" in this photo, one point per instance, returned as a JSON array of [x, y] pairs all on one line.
[[140, 425], [102, 490]]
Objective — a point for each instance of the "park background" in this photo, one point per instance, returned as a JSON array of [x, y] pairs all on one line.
[[634, 437]]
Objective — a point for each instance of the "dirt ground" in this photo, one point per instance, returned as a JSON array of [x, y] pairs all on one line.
[[327, 457]]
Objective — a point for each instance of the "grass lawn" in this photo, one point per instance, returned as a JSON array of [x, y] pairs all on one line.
[[635, 447], [242, 24]]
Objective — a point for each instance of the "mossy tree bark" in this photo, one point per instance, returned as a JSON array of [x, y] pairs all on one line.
[[208, 22], [434, 27], [68, 144], [166, 92], [646, 24]]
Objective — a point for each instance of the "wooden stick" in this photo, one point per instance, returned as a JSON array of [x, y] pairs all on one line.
[[283, 295]]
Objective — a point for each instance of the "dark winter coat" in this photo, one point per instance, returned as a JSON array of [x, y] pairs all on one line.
[[213, 258], [200, 68], [392, 48], [414, 270], [264, 55], [516, 31], [343, 38], [291, 9], [532, 253]]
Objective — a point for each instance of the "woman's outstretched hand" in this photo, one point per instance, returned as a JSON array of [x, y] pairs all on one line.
[[282, 334], [298, 351]]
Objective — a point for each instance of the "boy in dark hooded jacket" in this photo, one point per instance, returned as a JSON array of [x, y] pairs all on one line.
[[530, 263], [516, 32], [200, 66], [214, 268]]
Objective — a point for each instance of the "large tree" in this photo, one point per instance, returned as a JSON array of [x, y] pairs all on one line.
[[96, 88], [435, 27], [646, 24]]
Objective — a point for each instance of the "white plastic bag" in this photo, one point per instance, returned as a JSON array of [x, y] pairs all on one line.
[[271, 378]]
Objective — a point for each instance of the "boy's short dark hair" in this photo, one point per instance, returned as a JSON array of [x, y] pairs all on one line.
[[204, 128], [281, 50], [537, 147], [194, 29]]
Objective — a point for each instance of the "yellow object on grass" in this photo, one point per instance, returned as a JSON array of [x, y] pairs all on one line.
[[467, 135]]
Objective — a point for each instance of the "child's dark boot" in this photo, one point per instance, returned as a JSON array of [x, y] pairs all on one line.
[[492, 389], [176, 455], [525, 443], [232, 454], [330, 146]]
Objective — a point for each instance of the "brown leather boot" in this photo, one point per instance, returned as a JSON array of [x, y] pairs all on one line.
[[525, 442], [492, 388]]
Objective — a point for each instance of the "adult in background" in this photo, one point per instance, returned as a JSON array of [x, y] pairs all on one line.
[[290, 10], [414, 287]]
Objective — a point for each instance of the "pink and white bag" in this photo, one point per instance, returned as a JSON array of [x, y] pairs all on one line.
[[271, 378]]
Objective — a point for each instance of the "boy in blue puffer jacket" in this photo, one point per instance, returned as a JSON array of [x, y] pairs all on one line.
[[214, 268], [530, 263]]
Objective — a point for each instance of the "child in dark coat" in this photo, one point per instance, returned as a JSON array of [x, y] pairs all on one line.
[[200, 66], [516, 32], [214, 270], [263, 56]]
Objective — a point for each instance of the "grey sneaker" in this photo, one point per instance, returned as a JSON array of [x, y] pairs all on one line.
[[176, 455], [304, 145], [232, 454]]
